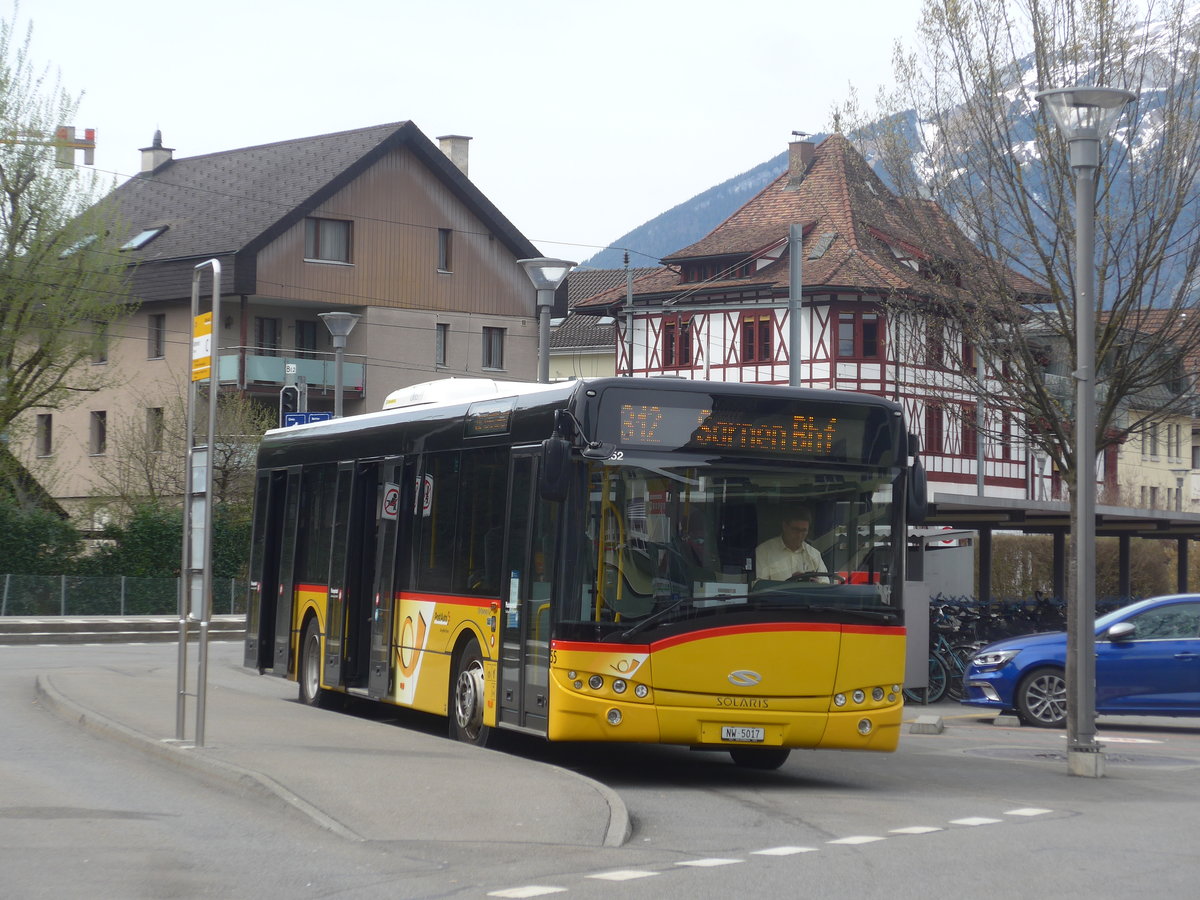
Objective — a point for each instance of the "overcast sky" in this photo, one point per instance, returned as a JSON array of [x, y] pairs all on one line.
[[588, 118]]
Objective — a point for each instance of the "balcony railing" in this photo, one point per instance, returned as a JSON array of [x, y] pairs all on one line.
[[317, 368]]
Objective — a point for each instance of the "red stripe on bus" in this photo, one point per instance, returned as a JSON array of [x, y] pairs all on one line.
[[452, 599], [887, 630]]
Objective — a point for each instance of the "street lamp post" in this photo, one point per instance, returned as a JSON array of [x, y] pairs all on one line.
[[340, 324], [546, 275], [1084, 115]]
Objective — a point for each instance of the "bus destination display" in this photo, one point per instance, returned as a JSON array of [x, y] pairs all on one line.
[[647, 426], [779, 428]]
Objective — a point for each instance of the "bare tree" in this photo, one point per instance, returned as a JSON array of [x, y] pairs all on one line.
[[145, 462], [61, 282], [977, 144]]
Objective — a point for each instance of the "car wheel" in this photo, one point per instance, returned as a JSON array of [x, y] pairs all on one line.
[[1042, 698]]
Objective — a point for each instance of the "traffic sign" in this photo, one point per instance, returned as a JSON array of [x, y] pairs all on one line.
[[304, 418]]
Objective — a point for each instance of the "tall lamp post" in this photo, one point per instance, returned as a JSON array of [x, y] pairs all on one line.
[[546, 275], [1084, 115], [340, 324]]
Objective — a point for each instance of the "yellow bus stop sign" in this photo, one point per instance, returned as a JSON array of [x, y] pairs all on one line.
[[202, 347]]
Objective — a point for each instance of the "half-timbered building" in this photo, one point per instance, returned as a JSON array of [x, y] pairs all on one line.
[[875, 311]]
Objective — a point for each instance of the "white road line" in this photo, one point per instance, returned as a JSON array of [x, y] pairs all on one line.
[[1028, 811], [711, 861], [975, 820], [858, 839], [623, 875], [530, 890], [783, 851], [915, 829]]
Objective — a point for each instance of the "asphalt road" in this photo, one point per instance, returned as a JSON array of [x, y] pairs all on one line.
[[978, 810]]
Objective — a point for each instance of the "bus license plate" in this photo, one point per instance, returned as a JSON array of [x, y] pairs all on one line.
[[742, 734]]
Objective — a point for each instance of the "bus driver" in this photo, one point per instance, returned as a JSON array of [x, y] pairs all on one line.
[[789, 555]]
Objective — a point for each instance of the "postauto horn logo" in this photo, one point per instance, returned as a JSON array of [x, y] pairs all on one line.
[[745, 678]]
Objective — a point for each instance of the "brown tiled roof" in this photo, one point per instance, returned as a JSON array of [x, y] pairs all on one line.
[[230, 204], [850, 218], [580, 331], [583, 284]]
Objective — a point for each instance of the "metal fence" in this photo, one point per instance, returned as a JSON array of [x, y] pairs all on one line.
[[117, 595]]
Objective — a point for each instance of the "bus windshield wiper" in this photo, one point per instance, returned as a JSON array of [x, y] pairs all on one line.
[[654, 619]]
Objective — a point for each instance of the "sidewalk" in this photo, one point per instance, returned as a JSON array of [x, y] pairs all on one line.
[[362, 779]]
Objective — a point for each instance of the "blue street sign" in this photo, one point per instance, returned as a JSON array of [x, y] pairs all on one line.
[[304, 418]]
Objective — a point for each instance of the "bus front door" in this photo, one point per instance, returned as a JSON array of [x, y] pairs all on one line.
[[261, 606], [525, 605], [285, 587]]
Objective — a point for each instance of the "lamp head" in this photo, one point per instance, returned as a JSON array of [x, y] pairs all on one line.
[[546, 274]]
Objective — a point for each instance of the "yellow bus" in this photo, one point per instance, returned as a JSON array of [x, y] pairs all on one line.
[[580, 561]]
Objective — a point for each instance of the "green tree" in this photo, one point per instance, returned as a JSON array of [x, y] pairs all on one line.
[[61, 281], [35, 541]]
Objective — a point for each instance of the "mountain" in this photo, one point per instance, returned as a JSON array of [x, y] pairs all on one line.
[[689, 221]]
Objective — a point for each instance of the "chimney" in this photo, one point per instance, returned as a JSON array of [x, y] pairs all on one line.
[[455, 147], [800, 157], [156, 154]]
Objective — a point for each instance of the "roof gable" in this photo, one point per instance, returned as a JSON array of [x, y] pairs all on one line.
[[237, 201]]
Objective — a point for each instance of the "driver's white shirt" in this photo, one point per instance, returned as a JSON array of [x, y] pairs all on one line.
[[773, 561]]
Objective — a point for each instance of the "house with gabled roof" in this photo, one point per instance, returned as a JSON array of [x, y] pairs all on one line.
[[379, 222], [718, 309]]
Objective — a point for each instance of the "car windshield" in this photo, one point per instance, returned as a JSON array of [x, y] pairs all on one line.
[[666, 543]]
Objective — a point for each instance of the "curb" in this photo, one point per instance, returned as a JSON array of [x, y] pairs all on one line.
[[187, 756], [229, 775]]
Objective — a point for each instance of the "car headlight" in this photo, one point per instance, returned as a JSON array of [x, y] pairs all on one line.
[[993, 659]]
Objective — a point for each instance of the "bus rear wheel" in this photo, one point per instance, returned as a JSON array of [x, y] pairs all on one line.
[[763, 758], [466, 697]]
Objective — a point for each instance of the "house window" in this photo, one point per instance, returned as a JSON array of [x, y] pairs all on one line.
[[306, 339], [493, 348], [677, 342], [98, 434], [327, 240], [154, 429], [142, 238], [860, 335], [439, 347], [100, 343], [445, 242], [266, 336], [934, 429], [45, 434], [156, 336], [935, 345], [968, 356], [756, 338], [970, 434]]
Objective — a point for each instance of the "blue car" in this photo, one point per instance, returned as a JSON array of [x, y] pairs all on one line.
[[1147, 664]]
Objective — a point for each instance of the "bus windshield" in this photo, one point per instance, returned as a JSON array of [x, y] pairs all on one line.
[[677, 546]]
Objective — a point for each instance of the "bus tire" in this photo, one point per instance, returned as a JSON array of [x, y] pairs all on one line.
[[308, 672], [467, 697], [762, 758]]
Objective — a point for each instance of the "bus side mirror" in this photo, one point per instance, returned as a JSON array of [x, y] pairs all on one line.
[[916, 498], [555, 470]]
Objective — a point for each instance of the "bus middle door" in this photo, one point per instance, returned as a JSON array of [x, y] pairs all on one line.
[[525, 604]]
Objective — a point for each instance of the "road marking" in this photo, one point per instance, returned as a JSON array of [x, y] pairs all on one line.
[[975, 820], [915, 829], [783, 851], [623, 875], [530, 890], [1028, 811], [711, 861], [857, 839]]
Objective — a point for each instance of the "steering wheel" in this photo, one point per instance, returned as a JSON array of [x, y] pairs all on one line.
[[830, 577]]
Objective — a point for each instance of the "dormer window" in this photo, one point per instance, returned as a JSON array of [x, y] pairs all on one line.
[[142, 238]]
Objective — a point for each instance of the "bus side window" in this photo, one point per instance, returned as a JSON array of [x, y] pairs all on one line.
[[435, 558]]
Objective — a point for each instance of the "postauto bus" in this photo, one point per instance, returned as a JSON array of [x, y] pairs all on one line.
[[577, 561]]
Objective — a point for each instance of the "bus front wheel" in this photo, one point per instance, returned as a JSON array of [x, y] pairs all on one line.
[[466, 697], [308, 673]]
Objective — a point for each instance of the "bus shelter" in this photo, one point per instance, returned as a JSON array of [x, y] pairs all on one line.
[[989, 514]]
